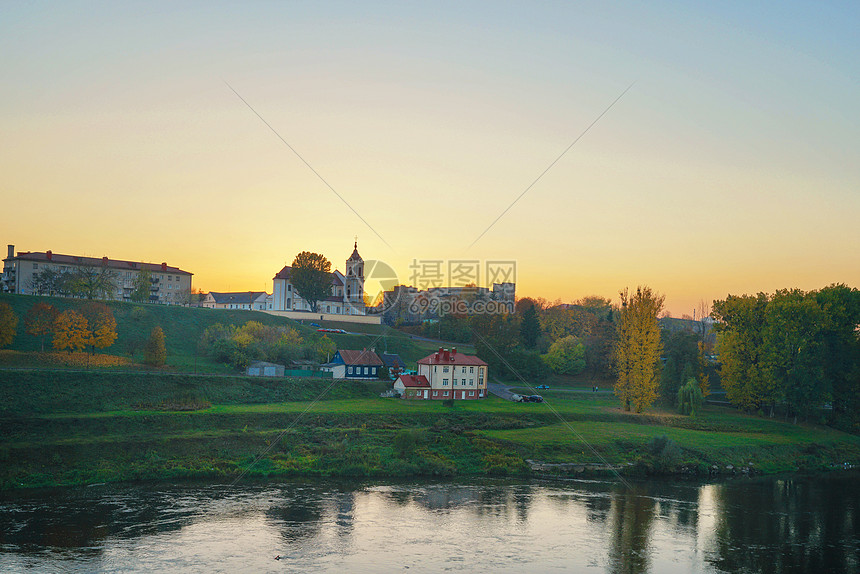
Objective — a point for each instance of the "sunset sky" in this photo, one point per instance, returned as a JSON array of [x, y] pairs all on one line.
[[732, 164]]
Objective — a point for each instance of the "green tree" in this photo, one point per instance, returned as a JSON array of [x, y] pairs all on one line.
[[142, 285], [311, 277], [155, 352], [71, 331], [840, 342], [8, 324], [740, 331], [101, 325], [792, 352], [324, 349], [39, 321], [530, 327], [92, 282], [638, 348], [566, 356], [690, 398]]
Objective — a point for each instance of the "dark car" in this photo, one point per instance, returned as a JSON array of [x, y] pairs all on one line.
[[535, 398]]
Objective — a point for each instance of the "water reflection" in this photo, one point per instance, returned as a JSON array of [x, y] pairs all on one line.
[[795, 525]]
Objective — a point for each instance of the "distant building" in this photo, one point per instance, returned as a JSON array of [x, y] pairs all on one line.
[[251, 300], [348, 364], [347, 291], [407, 304], [25, 274], [454, 375]]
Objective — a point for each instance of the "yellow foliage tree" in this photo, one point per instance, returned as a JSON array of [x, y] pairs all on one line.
[[637, 348], [71, 331], [100, 324], [8, 324]]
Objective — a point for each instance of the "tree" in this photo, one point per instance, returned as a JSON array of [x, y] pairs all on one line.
[[311, 277], [740, 342], [142, 285], [638, 347], [530, 327], [70, 331], [566, 356], [324, 349], [92, 282], [101, 325], [792, 354], [690, 398], [8, 324], [39, 321], [155, 352], [840, 343]]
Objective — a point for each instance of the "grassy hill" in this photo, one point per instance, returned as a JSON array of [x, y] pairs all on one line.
[[183, 327]]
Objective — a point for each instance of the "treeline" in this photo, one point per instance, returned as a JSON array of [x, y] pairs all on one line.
[[538, 338], [240, 345], [792, 349]]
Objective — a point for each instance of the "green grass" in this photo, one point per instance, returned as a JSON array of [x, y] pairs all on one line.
[[184, 326]]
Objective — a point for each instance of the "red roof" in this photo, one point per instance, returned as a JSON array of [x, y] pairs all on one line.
[[61, 259], [363, 358], [452, 357], [414, 381]]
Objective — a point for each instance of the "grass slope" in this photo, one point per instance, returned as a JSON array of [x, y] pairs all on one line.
[[74, 428], [183, 327]]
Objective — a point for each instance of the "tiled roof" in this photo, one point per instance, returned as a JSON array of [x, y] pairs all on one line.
[[414, 381], [452, 357], [355, 256], [363, 357], [120, 264], [238, 298]]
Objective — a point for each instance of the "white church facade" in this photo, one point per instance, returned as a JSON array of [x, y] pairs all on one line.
[[346, 297]]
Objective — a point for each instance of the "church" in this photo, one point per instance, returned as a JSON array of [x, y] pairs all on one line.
[[347, 290]]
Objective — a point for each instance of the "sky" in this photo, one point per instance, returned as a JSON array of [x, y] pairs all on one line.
[[700, 148]]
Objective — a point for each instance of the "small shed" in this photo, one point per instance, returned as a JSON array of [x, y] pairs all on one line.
[[264, 369]]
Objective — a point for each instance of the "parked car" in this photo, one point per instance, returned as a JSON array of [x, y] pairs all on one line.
[[315, 325], [542, 387], [517, 398], [535, 399]]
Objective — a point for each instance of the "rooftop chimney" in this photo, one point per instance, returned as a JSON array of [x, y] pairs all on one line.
[[164, 266], [10, 251], [454, 351], [49, 254], [104, 260]]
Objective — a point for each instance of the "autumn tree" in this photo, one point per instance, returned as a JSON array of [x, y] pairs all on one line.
[[142, 285], [638, 348], [155, 352], [70, 331], [101, 326], [39, 321], [311, 276], [8, 324]]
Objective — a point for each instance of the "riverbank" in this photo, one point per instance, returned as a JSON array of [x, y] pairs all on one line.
[[70, 428]]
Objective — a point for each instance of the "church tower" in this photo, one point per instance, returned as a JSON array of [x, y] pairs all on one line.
[[354, 283]]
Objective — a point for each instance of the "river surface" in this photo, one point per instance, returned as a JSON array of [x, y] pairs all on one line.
[[798, 524]]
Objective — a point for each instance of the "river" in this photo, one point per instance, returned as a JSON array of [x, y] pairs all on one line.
[[796, 524]]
